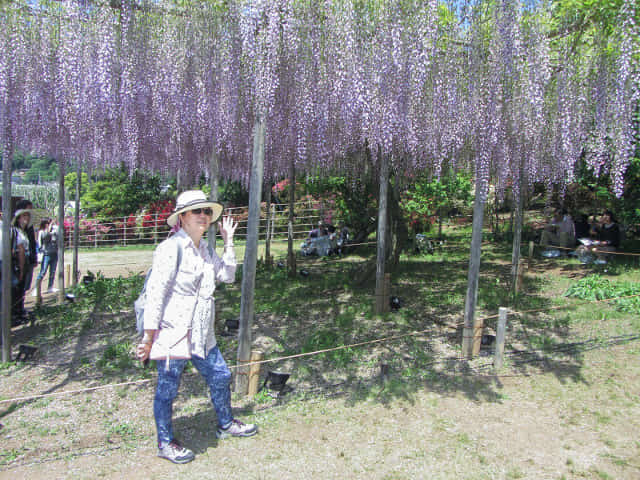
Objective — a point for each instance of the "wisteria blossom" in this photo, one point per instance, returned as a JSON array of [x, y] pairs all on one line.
[[463, 84]]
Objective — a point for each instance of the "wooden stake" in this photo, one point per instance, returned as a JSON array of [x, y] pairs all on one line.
[[38, 292], [500, 335], [254, 372], [477, 335], [67, 272], [531, 248]]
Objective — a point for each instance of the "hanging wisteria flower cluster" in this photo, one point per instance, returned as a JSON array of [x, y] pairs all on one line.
[[468, 84]]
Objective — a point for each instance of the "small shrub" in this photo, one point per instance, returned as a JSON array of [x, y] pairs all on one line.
[[595, 287]]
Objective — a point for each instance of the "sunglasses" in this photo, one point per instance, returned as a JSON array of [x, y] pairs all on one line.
[[206, 211]]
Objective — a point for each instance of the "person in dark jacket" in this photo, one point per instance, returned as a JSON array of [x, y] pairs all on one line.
[[31, 259]]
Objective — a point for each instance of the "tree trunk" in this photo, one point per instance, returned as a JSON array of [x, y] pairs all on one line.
[[291, 254], [7, 157], [250, 256], [397, 236], [61, 232], [381, 236], [399, 231], [470, 339], [76, 224]]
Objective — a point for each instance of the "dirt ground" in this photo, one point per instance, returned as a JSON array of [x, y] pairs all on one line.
[[546, 421]]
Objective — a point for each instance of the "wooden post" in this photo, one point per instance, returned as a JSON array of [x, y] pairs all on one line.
[[267, 235], [155, 229], [254, 372], [478, 328], [251, 254], [67, 271], [61, 231], [76, 223], [470, 322], [7, 160], [500, 335], [382, 232], [38, 292], [291, 254], [531, 248], [516, 264], [273, 221]]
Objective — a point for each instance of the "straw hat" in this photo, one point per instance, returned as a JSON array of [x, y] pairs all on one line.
[[192, 199], [19, 212]]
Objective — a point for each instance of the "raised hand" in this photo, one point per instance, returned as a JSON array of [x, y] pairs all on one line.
[[227, 229]]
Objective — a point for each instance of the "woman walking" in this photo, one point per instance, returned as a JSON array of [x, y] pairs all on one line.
[[179, 318], [48, 244]]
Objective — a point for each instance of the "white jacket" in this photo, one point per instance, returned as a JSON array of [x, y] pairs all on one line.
[[182, 303]]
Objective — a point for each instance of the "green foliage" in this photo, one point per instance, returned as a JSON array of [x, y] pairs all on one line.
[[583, 18], [118, 192], [354, 200], [42, 196], [428, 197], [101, 295], [70, 180], [38, 169], [595, 287], [230, 193]]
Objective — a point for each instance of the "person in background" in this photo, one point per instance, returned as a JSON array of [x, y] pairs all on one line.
[[179, 318], [48, 241], [607, 233], [560, 232], [20, 253], [583, 226], [32, 254]]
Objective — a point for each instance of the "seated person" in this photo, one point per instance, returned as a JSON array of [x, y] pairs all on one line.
[[607, 233], [607, 238], [583, 227], [319, 231], [561, 231]]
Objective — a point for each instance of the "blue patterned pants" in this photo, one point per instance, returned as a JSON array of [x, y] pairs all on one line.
[[215, 372]]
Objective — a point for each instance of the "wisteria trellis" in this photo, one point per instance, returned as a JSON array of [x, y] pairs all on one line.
[[160, 87]]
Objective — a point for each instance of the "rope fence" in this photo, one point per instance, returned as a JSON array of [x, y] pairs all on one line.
[[322, 351], [591, 250]]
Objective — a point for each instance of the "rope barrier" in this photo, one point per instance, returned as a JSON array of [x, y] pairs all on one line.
[[69, 392], [307, 354], [593, 250]]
